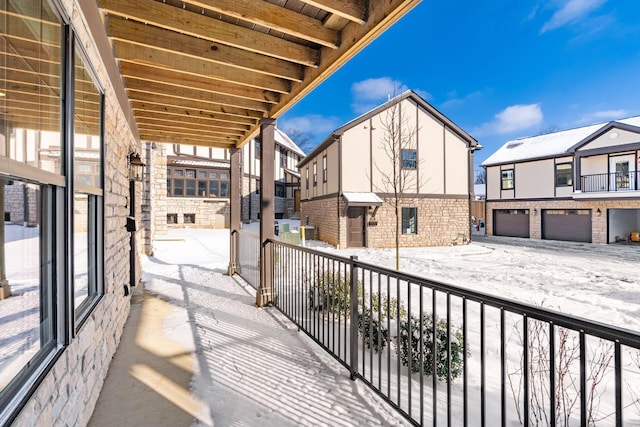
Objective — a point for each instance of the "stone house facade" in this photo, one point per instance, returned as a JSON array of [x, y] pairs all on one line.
[[345, 191]]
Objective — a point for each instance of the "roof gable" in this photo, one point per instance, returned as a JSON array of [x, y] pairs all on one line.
[[409, 94], [610, 130], [552, 144]]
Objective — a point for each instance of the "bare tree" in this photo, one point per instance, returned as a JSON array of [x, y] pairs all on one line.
[[304, 140], [398, 174], [481, 176]]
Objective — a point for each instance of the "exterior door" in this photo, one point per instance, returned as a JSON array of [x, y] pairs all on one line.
[[296, 200], [355, 227], [622, 173]]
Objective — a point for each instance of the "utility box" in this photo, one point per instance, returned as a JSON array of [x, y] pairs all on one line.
[[309, 232]]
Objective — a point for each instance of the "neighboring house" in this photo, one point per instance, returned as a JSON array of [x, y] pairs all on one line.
[[578, 185], [193, 188], [343, 192]]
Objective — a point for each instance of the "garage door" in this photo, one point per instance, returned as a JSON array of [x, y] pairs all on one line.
[[511, 222], [573, 225]]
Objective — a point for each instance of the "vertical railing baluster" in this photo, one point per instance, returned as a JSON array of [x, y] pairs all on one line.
[[398, 371], [421, 346], [552, 374], [618, 380], [525, 367], [503, 370], [379, 352], [482, 368], [583, 379], [465, 390], [409, 348], [434, 356], [449, 376], [353, 289], [389, 336]]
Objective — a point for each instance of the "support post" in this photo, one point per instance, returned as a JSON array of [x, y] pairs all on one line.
[[235, 195], [267, 211], [353, 327]]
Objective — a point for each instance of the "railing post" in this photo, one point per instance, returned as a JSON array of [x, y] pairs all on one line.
[[233, 253], [353, 305], [264, 294]]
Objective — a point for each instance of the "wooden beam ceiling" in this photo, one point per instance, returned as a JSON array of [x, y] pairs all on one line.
[[205, 72]]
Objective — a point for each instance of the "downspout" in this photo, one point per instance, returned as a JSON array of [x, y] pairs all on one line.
[[339, 139]]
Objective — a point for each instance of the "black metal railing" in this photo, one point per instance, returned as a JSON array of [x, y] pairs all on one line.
[[615, 181], [441, 354], [247, 256]]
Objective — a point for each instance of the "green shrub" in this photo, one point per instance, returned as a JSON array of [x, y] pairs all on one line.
[[410, 338], [332, 294]]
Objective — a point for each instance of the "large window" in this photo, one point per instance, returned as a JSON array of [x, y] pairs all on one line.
[[564, 175], [283, 157], [197, 182], [506, 182], [324, 168], [306, 177], [280, 190], [87, 210], [409, 159], [409, 220], [32, 194], [315, 174]]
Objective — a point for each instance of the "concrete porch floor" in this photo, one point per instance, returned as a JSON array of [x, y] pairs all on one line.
[[197, 351]]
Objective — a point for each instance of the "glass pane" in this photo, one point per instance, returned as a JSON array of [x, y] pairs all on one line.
[[80, 248], [202, 174], [87, 150], [190, 173], [202, 188], [177, 187], [213, 175], [178, 172], [224, 189], [30, 84], [213, 188], [25, 275], [224, 175], [191, 187]]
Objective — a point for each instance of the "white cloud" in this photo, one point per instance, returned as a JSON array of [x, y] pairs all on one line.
[[456, 101], [605, 115], [369, 93], [512, 119], [573, 11], [312, 123]]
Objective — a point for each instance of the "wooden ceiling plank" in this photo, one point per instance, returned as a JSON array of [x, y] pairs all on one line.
[[198, 25], [161, 75], [173, 61], [142, 108], [183, 124], [353, 10], [188, 103], [186, 139], [133, 83], [189, 130], [160, 38], [144, 116], [272, 16]]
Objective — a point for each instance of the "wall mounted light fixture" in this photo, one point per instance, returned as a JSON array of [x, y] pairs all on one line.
[[598, 212], [135, 167], [535, 211]]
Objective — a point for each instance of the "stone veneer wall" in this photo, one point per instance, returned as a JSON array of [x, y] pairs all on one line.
[[14, 203], [323, 214], [598, 223], [68, 393], [210, 213], [441, 222]]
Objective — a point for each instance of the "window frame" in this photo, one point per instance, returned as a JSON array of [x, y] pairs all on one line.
[[407, 210], [569, 182], [324, 168], [413, 162], [506, 180], [177, 174]]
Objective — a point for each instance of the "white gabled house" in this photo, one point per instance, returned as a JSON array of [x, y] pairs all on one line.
[[579, 184]]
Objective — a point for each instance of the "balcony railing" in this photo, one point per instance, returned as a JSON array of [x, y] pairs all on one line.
[[493, 361], [615, 181], [247, 247]]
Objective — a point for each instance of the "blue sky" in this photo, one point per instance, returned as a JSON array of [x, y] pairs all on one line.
[[500, 69]]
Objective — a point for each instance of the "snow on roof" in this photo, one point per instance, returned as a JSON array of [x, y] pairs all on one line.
[[551, 144], [370, 199], [284, 140]]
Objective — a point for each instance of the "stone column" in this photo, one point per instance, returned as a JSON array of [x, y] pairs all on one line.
[[5, 289], [267, 211], [235, 208]]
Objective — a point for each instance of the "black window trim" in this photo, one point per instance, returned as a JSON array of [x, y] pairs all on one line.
[[513, 179], [556, 174]]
